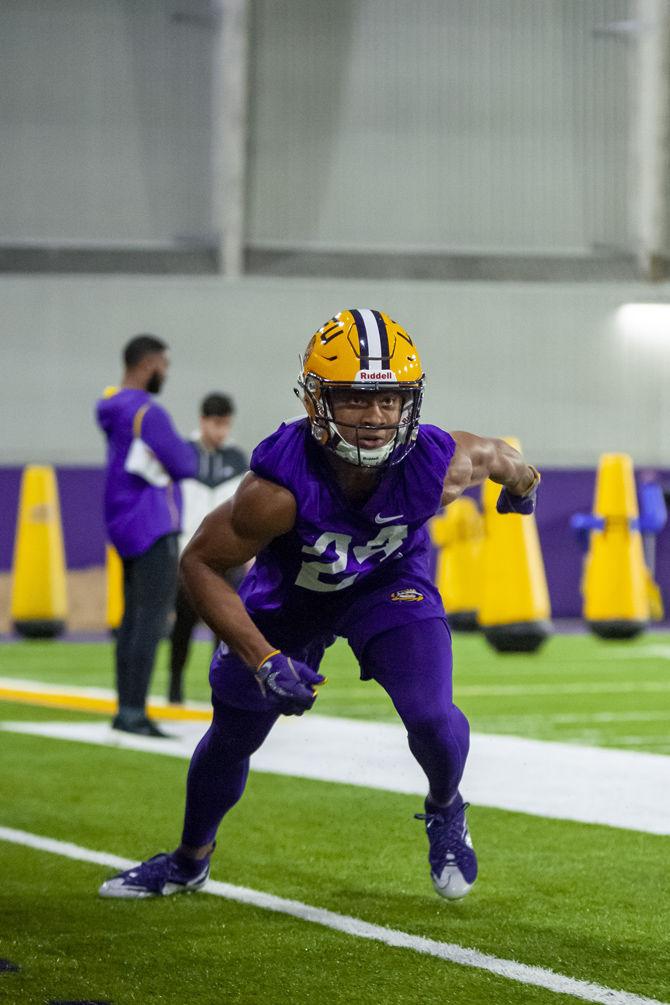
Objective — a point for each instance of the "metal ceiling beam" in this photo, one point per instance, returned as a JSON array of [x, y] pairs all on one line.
[[651, 139], [229, 134]]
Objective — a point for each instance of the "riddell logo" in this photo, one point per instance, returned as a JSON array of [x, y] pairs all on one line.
[[364, 375]]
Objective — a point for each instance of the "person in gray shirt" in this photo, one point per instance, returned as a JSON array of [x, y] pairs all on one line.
[[227, 465]]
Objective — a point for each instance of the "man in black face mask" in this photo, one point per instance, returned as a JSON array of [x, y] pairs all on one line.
[[146, 457]]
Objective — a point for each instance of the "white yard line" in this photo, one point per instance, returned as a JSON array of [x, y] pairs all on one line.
[[518, 720], [535, 720], [521, 973], [633, 686], [491, 690], [48, 687], [648, 652], [594, 785], [43, 687]]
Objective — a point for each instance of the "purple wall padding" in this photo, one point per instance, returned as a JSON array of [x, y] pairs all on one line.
[[80, 491], [10, 483], [81, 494], [563, 493]]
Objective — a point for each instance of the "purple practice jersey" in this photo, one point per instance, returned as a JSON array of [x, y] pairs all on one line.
[[346, 570], [138, 513], [343, 570]]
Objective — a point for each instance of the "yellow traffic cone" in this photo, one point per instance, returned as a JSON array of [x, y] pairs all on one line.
[[615, 583], [458, 535], [515, 611], [39, 590], [114, 589]]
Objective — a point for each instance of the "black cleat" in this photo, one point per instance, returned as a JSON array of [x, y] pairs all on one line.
[[140, 727], [157, 877]]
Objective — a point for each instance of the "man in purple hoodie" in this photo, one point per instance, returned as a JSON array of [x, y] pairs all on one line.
[[146, 458]]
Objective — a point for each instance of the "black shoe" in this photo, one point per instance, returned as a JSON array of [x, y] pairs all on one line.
[[140, 727], [175, 697], [157, 877]]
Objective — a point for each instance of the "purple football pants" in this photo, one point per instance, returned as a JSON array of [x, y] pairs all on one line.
[[412, 663]]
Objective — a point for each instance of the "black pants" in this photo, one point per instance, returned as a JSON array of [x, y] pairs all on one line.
[[185, 621], [149, 588]]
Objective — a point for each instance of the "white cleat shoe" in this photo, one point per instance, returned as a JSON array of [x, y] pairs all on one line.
[[452, 858]]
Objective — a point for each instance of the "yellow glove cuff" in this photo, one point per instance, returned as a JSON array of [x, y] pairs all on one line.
[[537, 478], [274, 652]]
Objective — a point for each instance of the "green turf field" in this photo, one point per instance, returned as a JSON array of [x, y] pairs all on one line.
[[586, 901], [576, 689]]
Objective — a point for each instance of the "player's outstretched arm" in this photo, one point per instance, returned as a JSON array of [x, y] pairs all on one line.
[[477, 458], [230, 536]]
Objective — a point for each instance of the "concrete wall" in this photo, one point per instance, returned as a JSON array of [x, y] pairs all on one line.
[[458, 125], [105, 120], [446, 125], [545, 363]]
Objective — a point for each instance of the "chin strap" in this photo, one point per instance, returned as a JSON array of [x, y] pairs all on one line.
[[356, 455]]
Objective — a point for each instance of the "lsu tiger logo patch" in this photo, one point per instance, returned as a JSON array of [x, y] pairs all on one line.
[[409, 594]]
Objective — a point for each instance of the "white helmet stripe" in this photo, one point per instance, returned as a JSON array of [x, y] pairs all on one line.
[[372, 331]]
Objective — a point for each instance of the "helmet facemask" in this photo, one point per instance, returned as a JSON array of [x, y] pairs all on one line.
[[317, 396]]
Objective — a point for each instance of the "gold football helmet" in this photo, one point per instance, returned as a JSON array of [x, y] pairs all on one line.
[[366, 350]]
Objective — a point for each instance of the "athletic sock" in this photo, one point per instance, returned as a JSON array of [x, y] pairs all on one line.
[[189, 867], [454, 803]]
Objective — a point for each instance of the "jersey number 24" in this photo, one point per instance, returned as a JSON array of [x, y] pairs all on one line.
[[312, 575]]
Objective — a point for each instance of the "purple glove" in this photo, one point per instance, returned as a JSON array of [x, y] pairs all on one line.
[[525, 504], [288, 684]]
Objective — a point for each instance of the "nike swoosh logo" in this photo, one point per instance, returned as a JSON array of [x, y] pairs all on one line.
[[387, 519]]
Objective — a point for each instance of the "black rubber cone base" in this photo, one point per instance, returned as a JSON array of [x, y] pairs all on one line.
[[43, 629], [520, 637], [78, 1001], [617, 629], [463, 621]]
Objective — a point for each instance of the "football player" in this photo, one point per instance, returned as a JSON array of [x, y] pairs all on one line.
[[334, 511]]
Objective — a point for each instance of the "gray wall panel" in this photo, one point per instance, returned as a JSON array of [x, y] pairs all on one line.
[[474, 126], [543, 362], [105, 121]]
